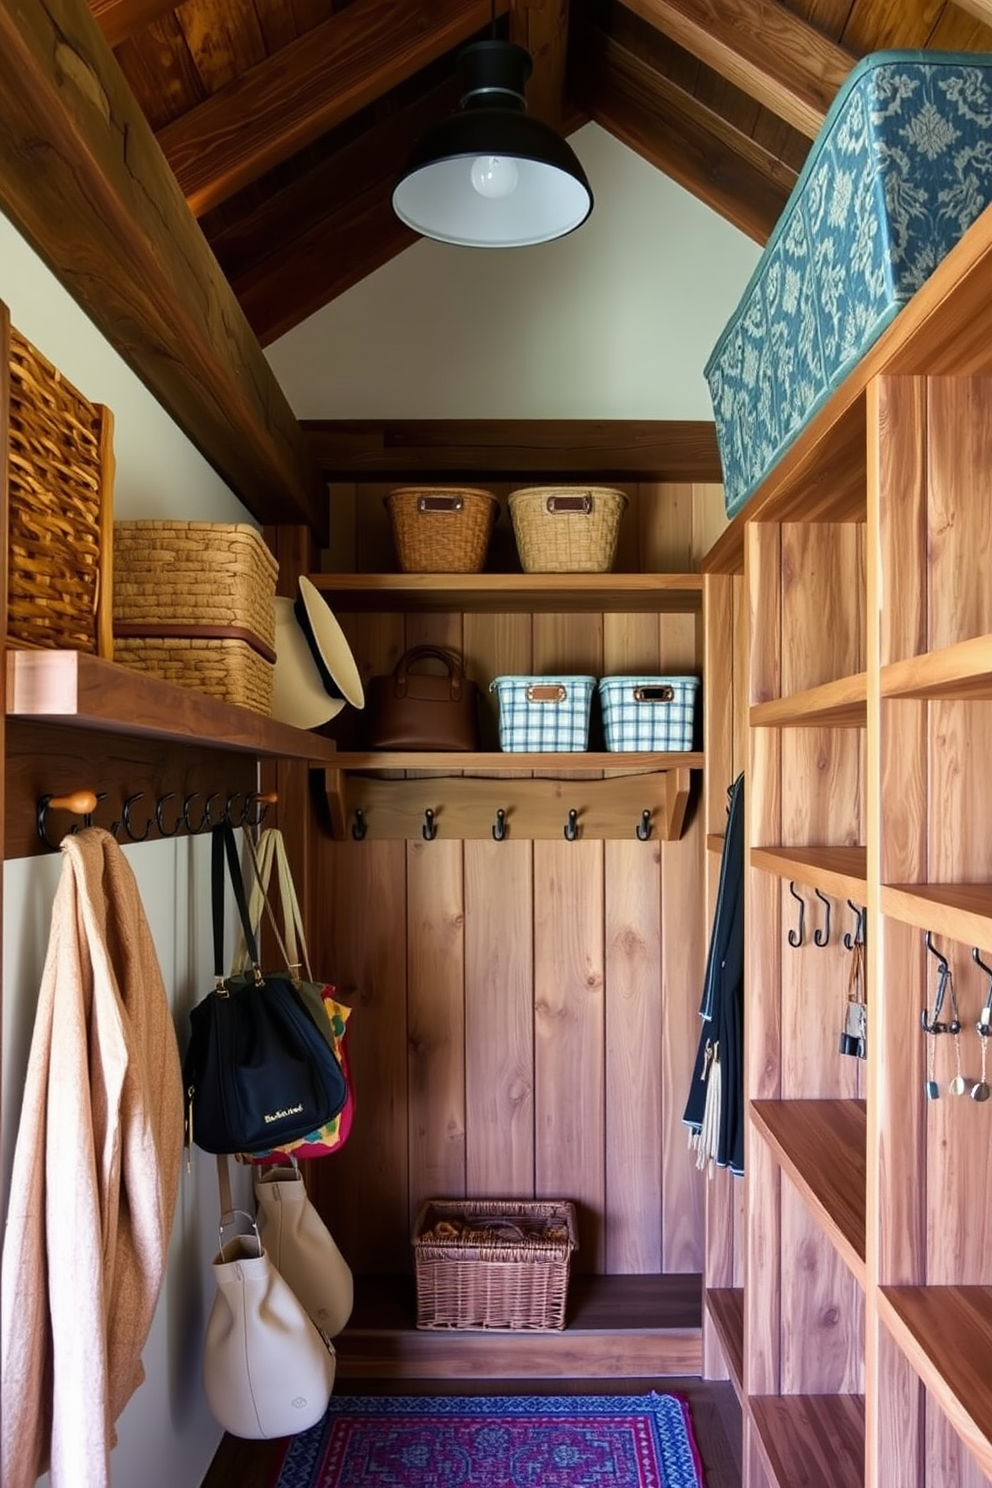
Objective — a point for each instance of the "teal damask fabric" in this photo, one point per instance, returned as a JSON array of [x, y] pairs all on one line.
[[899, 171]]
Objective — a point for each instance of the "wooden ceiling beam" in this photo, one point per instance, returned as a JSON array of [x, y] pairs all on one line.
[[471, 449], [677, 134], [83, 180], [541, 27], [761, 47], [119, 19], [275, 109]]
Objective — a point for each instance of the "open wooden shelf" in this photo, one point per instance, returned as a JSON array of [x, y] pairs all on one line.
[[960, 671], [564, 593], [715, 841], [71, 688], [841, 871], [817, 1441], [615, 1327], [500, 763], [962, 911], [840, 704], [821, 1144], [946, 1333], [725, 1306]]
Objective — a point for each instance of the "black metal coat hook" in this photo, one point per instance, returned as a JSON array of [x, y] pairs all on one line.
[[935, 1025], [429, 828], [859, 929], [796, 937], [126, 814], [165, 831], [499, 826], [81, 803], [822, 937], [360, 826], [643, 828], [571, 828]]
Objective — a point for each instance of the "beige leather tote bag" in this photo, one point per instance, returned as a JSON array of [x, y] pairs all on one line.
[[302, 1248]]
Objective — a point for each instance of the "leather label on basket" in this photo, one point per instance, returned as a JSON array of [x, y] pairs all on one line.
[[559, 504], [546, 692], [144, 630], [440, 504], [654, 694]]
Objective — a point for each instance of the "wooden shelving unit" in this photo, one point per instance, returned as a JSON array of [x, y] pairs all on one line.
[[725, 1306], [869, 707], [490, 593]]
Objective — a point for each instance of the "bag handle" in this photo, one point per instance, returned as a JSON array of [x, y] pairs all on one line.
[[292, 942], [222, 845], [452, 665]]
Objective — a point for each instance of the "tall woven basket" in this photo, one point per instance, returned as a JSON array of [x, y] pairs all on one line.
[[194, 604], [566, 529], [441, 529], [61, 464]]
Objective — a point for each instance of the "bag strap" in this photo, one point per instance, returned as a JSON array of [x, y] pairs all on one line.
[[293, 948], [223, 845], [452, 665]]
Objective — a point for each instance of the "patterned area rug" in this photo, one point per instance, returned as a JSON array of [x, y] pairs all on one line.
[[507, 1441]]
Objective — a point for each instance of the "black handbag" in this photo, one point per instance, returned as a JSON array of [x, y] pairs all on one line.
[[258, 1071]]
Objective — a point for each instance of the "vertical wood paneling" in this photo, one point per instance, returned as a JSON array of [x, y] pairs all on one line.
[[959, 436], [569, 1035], [436, 1020], [949, 1464], [822, 1308], [634, 1123], [495, 646], [666, 528], [709, 517], [341, 553], [499, 1019], [362, 1191]]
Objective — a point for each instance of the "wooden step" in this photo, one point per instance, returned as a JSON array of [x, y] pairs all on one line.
[[617, 1327]]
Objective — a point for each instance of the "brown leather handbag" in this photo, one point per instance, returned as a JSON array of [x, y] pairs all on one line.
[[419, 710]]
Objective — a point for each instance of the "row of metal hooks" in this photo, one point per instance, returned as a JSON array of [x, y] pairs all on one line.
[[168, 820], [821, 936], [500, 828]]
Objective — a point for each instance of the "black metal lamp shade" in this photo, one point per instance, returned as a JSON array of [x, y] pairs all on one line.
[[490, 176]]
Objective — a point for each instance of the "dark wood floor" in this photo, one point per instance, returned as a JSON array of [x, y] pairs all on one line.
[[716, 1422]]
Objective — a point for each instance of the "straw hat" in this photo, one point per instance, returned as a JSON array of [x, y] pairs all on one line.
[[315, 672]]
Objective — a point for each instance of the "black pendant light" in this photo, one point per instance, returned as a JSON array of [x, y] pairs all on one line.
[[491, 176]]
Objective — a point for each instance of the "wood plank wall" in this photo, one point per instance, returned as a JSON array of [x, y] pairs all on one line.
[[525, 1013]]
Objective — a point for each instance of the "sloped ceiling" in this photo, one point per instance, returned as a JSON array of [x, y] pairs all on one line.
[[286, 121]]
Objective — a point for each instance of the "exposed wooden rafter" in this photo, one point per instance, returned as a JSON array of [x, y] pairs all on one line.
[[542, 29], [761, 47], [676, 133], [296, 95], [119, 19], [84, 181]]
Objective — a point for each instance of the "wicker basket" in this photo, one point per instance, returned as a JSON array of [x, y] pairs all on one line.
[[566, 529], [194, 603], [441, 529], [493, 1263], [59, 512]]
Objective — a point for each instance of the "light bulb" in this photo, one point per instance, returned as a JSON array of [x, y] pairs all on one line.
[[494, 175]]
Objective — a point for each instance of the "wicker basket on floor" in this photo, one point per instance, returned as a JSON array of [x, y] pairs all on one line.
[[194, 604], [59, 511], [493, 1263]]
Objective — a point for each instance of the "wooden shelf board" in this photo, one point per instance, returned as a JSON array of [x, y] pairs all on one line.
[[504, 763], [616, 1327], [526, 593], [946, 1333], [726, 1307], [960, 671], [962, 911], [69, 687], [814, 1440], [821, 1144], [841, 871], [840, 704], [714, 842]]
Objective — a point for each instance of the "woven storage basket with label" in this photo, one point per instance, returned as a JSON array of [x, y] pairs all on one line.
[[441, 529], [655, 713], [544, 714], [493, 1263], [61, 480], [566, 529], [194, 604]]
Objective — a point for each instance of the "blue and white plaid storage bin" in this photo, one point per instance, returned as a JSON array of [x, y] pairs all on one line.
[[653, 713], [543, 714], [900, 169]]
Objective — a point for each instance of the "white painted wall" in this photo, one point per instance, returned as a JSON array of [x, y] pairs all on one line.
[[167, 1436], [615, 321]]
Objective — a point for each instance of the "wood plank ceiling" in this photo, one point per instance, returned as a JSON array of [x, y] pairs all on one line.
[[285, 121]]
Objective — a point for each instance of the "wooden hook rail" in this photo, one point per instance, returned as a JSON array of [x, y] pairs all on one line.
[[188, 812]]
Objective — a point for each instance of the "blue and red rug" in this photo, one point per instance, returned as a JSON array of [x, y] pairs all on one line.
[[505, 1441]]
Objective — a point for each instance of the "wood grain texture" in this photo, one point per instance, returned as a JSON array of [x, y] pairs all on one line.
[[726, 1307], [813, 1440], [822, 1308], [108, 217], [517, 593], [961, 670], [569, 1036], [634, 1124], [499, 1020], [838, 871], [894, 1410], [838, 704], [542, 30], [959, 524]]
